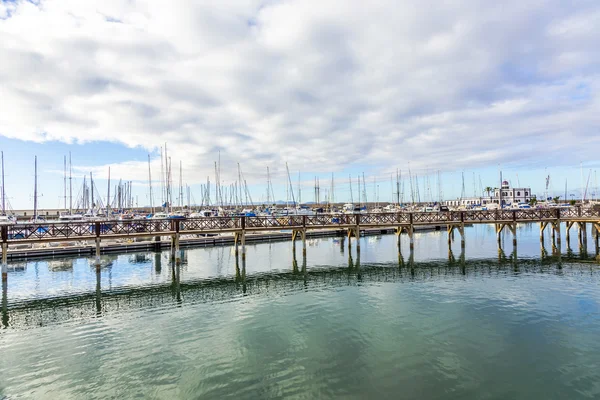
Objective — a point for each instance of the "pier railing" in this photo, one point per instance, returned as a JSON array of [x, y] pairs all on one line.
[[86, 230]]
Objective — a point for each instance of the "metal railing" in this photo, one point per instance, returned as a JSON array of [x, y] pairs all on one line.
[[82, 230]]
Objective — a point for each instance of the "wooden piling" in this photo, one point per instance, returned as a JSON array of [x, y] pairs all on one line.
[[4, 261], [97, 251]]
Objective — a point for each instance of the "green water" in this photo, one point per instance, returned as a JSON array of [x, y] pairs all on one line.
[[335, 325]]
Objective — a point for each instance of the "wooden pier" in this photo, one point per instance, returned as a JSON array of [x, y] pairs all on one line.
[[352, 224]]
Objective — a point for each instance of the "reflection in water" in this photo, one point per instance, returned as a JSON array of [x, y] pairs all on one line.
[[157, 262], [60, 265], [176, 285], [268, 329], [98, 291], [5, 319]]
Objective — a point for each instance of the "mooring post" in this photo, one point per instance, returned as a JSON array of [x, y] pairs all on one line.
[[399, 242], [4, 232], [411, 231], [294, 260], [597, 237], [461, 230], [172, 250], [97, 252], [303, 234], [357, 232], [243, 240], [4, 261], [177, 253], [236, 239]]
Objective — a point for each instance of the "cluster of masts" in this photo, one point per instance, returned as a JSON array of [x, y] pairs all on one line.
[[90, 201]]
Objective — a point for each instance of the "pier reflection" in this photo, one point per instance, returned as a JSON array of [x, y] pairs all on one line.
[[178, 292], [5, 319]]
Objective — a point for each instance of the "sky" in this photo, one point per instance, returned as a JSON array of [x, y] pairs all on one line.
[[464, 87]]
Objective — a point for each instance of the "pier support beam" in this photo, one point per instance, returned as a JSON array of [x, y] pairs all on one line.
[[243, 243], [177, 252], [411, 237], [4, 261], [97, 252], [398, 232], [172, 251], [513, 229], [303, 235], [499, 228], [543, 226], [597, 237], [556, 235]]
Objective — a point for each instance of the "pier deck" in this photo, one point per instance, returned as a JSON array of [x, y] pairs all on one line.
[[298, 225]]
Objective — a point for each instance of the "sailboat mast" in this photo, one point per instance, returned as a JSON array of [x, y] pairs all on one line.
[[180, 185], [150, 184], [162, 177], [412, 192], [35, 190], [290, 183], [108, 196], [92, 204], [3, 193], [268, 186], [70, 185], [64, 183], [358, 181]]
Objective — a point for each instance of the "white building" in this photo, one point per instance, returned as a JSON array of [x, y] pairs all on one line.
[[509, 196], [512, 195]]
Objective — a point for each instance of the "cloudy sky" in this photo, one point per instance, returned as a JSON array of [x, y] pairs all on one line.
[[340, 87]]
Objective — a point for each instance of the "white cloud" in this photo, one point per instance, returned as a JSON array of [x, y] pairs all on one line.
[[323, 86]]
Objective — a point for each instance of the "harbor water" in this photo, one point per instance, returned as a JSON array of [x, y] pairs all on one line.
[[339, 323]]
